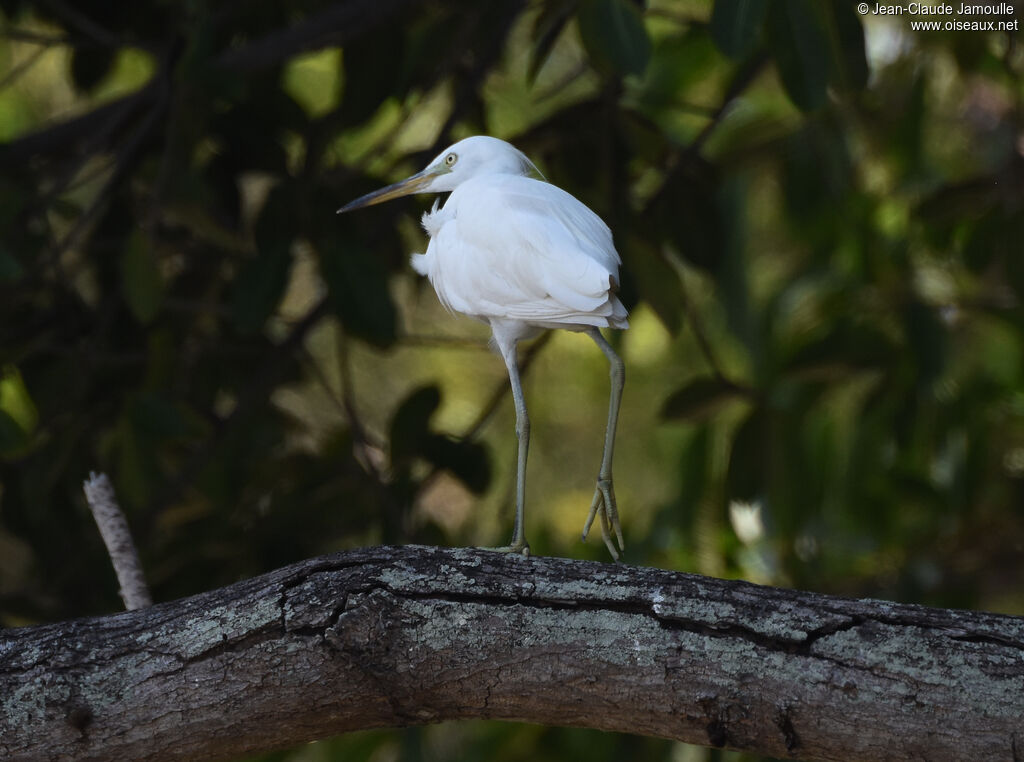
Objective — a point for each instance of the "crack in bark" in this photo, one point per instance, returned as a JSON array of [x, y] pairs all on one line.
[[988, 639], [637, 607], [784, 721]]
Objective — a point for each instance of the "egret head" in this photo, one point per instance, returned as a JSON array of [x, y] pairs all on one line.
[[471, 157]]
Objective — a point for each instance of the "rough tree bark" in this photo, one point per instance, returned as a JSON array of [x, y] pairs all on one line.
[[400, 636]]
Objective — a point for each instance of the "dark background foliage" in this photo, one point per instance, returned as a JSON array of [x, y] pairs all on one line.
[[820, 213]]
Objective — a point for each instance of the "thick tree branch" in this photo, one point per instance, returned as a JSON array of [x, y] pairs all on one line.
[[399, 636]]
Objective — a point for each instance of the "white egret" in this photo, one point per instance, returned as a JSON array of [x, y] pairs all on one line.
[[522, 256]]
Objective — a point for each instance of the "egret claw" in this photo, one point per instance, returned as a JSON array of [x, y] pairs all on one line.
[[603, 505], [516, 548]]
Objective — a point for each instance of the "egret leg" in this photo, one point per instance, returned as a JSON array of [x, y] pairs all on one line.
[[507, 347], [603, 505]]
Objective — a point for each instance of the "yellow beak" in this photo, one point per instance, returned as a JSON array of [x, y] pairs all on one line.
[[414, 184]]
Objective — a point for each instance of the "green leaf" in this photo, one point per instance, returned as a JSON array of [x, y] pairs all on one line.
[[677, 63], [657, 281], [546, 30], [157, 417], [13, 198], [260, 284], [845, 347], [848, 66], [700, 399], [468, 461], [137, 472], [10, 267], [427, 42], [736, 25], [410, 437], [410, 425], [358, 289], [750, 458], [927, 341], [687, 212], [259, 287], [313, 80], [818, 177], [997, 236], [614, 36], [89, 66], [13, 438], [15, 399], [19, 417], [263, 150], [142, 285], [799, 43], [367, 73]]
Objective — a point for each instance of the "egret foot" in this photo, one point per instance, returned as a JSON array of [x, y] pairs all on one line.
[[604, 506], [522, 547]]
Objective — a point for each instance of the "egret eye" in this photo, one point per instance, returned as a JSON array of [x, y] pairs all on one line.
[[450, 159]]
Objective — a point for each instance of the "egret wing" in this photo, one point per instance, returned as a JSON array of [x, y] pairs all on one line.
[[514, 247]]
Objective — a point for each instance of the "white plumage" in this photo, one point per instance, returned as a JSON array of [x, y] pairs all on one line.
[[521, 255], [509, 246]]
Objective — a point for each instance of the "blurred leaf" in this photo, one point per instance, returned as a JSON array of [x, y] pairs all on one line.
[[258, 288], [358, 289], [89, 65], [686, 212], [245, 148], [411, 437], [818, 176], [428, 41], [695, 471], [313, 80], [798, 42], [699, 399], [16, 401], [13, 438], [137, 473], [614, 35], [905, 141], [750, 458], [368, 73], [13, 197], [926, 340], [981, 243], [410, 423], [142, 285], [736, 25], [467, 461], [1002, 235], [10, 267], [957, 201], [547, 28], [657, 281], [197, 69], [732, 271], [156, 416], [260, 284], [18, 414], [678, 62], [848, 68], [843, 348]]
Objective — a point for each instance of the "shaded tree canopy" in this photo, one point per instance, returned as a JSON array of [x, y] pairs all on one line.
[[820, 218]]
